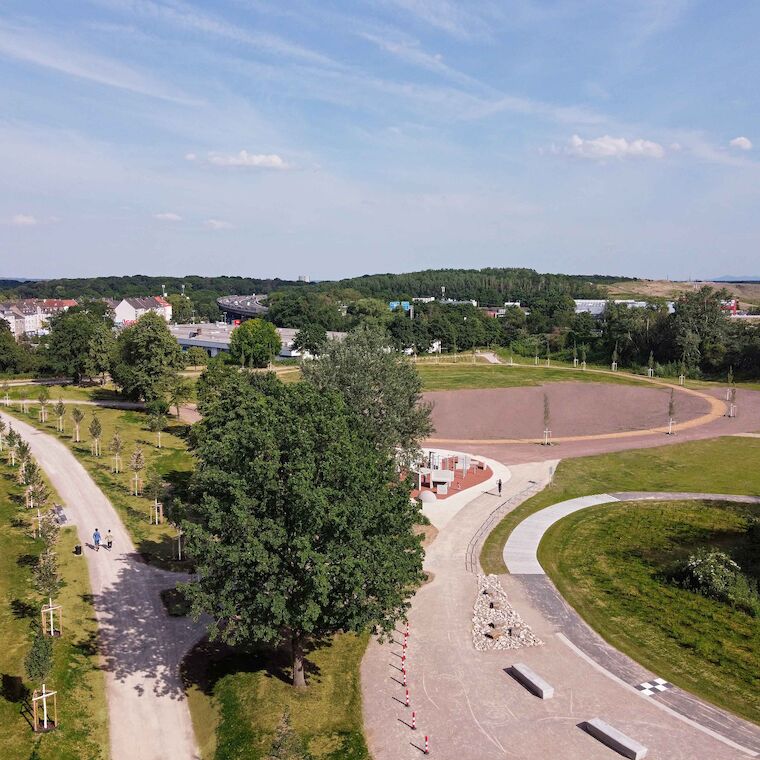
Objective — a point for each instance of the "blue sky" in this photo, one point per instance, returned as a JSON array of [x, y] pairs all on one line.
[[329, 138]]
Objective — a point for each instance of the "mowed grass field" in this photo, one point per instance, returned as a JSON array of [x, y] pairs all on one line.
[[83, 731], [721, 465], [612, 564], [450, 377]]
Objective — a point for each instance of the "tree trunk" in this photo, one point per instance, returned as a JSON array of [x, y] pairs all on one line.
[[299, 675]]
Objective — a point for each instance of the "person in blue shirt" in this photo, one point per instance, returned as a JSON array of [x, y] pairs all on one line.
[[96, 539]]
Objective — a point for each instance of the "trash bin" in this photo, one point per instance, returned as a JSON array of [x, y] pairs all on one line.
[[78, 549]]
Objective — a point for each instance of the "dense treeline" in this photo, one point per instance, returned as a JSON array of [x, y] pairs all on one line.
[[203, 291], [697, 338], [492, 286], [487, 286]]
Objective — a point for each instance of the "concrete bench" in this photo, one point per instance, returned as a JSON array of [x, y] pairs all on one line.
[[615, 739], [532, 681]]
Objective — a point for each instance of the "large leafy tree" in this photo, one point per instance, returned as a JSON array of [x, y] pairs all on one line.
[[14, 357], [102, 344], [254, 343], [182, 308], [382, 390], [300, 527], [70, 340], [146, 359], [311, 338]]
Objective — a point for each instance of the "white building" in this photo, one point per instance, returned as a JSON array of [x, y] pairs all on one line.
[[596, 306], [214, 338], [129, 310]]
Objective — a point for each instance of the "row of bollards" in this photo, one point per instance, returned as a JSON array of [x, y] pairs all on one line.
[[407, 702]]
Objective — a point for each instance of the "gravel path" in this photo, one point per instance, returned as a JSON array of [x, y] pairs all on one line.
[[141, 647]]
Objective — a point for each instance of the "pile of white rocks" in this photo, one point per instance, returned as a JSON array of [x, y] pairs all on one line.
[[495, 624]]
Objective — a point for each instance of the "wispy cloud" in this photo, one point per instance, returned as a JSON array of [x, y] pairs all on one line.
[[409, 51], [461, 20], [185, 16], [217, 224], [167, 216], [605, 147], [25, 45]]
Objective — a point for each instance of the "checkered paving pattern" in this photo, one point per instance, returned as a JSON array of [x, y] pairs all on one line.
[[650, 688]]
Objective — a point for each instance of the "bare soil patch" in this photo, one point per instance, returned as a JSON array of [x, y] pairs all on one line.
[[575, 409]]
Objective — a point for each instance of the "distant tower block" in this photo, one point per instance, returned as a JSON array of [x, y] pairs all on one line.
[[304, 278]]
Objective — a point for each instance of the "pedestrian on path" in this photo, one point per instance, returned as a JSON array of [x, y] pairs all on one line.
[[96, 539], [109, 540], [498, 485]]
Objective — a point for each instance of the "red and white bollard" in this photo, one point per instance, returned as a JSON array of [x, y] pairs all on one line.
[[414, 721], [403, 671], [427, 746], [407, 697]]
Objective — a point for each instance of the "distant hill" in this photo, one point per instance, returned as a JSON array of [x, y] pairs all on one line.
[[491, 285], [734, 278]]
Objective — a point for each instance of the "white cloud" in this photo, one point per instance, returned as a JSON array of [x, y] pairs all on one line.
[[190, 156], [244, 158], [217, 224], [24, 220], [742, 143], [29, 220], [612, 147], [168, 216]]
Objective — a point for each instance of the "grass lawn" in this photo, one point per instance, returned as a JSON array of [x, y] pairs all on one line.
[[620, 588], [83, 731], [721, 465], [236, 701], [154, 542], [448, 377], [106, 392]]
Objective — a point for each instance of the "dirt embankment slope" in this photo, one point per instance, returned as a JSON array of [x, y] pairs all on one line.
[[748, 293]]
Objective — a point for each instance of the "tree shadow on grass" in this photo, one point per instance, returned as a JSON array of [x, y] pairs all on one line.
[[22, 609], [210, 661], [12, 688]]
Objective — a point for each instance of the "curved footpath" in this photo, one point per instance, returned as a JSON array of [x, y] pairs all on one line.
[[466, 702], [521, 558], [141, 647]]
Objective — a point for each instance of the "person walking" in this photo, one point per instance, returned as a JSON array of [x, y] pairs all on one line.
[[498, 485], [109, 540], [96, 539]]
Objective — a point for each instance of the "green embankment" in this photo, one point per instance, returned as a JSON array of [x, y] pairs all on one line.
[[83, 731], [721, 465], [613, 563]]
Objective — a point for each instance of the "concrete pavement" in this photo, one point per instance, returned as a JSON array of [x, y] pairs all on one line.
[[466, 702]]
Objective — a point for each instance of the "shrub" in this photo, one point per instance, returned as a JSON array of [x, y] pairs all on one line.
[[715, 575]]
